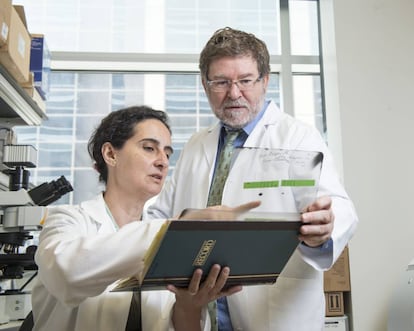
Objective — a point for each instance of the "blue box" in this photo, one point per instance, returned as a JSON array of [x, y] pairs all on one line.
[[40, 64]]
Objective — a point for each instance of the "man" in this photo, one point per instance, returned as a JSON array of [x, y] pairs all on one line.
[[235, 69]]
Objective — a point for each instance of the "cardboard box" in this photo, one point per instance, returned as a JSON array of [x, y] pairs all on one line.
[[338, 277], [339, 323], [22, 14], [334, 304], [40, 64], [16, 42], [5, 15]]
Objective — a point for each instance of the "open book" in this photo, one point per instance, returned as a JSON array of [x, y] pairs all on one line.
[[256, 246]]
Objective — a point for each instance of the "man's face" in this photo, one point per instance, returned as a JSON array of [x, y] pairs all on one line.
[[236, 104]]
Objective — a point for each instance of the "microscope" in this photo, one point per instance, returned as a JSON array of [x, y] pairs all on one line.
[[22, 212]]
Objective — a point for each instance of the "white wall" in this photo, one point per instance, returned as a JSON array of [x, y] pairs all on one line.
[[375, 58]]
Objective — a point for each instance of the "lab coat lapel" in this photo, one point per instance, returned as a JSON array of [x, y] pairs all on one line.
[[262, 135], [96, 210], [210, 145]]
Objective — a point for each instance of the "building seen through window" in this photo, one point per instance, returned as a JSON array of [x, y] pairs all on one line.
[[155, 30]]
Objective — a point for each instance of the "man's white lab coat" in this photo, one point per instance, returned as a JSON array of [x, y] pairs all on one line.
[[296, 301]]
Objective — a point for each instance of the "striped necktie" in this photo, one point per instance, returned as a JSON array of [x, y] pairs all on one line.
[[215, 195], [222, 169]]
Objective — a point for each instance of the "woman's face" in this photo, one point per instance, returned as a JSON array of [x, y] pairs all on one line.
[[140, 167]]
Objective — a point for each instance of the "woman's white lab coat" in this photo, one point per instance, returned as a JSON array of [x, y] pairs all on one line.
[[296, 301], [80, 255]]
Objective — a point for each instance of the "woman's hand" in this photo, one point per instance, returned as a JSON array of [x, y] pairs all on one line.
[[191, 300]]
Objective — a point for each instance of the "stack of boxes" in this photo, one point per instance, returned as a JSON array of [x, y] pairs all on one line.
[[337, 285], [15, 42], [26, 57]]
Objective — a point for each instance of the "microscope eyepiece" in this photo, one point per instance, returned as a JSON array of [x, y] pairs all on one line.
[[47, 193]]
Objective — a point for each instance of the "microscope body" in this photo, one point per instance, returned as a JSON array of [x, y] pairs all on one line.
[[22, 212]]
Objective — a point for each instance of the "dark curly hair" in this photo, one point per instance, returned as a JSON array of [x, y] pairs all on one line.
[[116, 128], [231, 42]]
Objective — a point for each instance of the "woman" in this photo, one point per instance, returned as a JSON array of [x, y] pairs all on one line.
[[83, 250]]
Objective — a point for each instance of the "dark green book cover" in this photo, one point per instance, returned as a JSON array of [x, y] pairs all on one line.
[[256, 249]]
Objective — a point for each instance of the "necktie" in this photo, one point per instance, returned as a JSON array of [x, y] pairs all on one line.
[[215, 195], [222, 169], [134, 317]]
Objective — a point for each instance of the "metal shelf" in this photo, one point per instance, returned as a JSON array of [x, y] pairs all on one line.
[[16, 106]]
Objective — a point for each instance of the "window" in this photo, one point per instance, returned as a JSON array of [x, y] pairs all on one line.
[[146, 52]]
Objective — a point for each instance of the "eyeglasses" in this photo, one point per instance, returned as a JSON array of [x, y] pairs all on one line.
[[223, 85]]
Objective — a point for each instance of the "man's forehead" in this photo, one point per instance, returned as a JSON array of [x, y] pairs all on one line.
[[240, 65]]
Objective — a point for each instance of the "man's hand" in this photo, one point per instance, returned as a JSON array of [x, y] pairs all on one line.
[[318, 222], [220, 212]]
